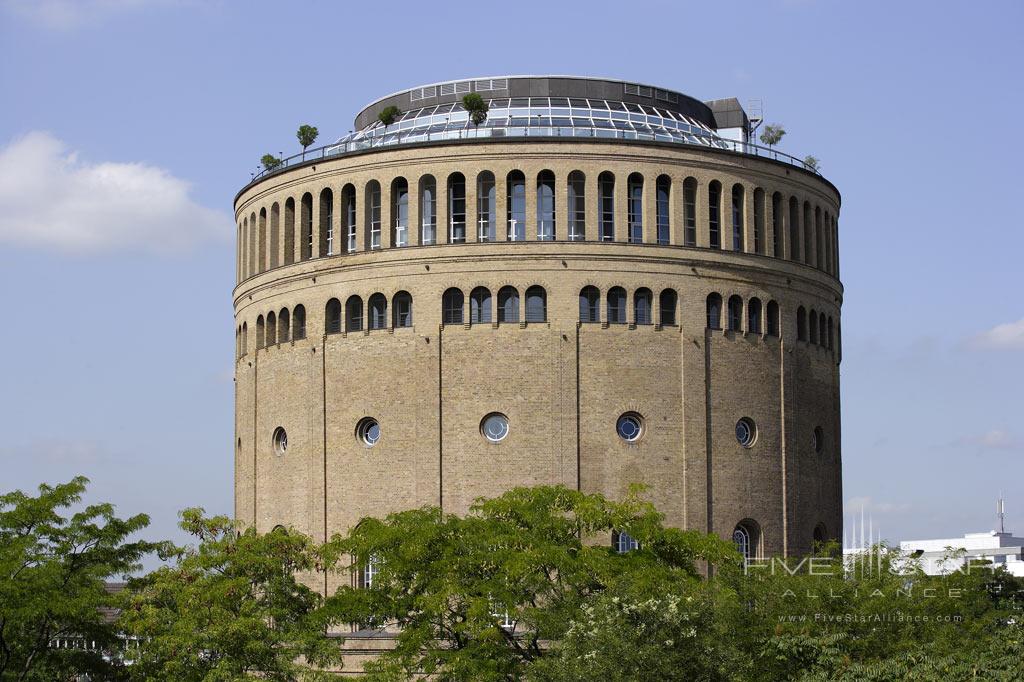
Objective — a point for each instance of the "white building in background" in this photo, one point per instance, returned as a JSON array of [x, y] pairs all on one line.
[[1001, 548]]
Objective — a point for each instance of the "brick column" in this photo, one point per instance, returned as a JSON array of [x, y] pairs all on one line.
[[472, 209], [414, 210], [621, 207], [385, 214], [530, 229], [561, 207], [649, 205], [590, 202]]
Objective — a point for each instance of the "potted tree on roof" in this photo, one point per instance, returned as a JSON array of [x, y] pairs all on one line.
[[307, 135], [477, 108]]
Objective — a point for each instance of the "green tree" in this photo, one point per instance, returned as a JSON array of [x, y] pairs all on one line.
[[477, 108], [231, 608], [307, 135], [476, 597], [772, 134], [53, 570], [388, 115], [270, 162], [812, 162]]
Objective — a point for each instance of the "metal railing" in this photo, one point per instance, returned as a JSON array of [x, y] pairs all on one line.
[[362, 143]]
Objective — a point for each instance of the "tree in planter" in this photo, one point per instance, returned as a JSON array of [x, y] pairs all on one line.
[[388, 115], [477, 108], [772, 134], [270, 162], [307, 135], [53, 570], [812, 162]]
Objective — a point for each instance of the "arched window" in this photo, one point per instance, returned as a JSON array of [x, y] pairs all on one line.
[[354, 314], [819, 243], [401, 307], [378, 309], [271, 328], [275, 234], [664, 190], [616, 305], [251, 226], [348, 216], [306, 227], [822, 327], [714, 311], [773, 319], [635, 208], [820, 534], [245, 338], [372, 203], [812, 318], [668, 300], [486, 207], [737, 217], [545, 207], [452, 304], [238, 342], [606, 207], [332, 316], [794, 229], [456, 208], [754, 316], [801, 324], [623, 542], [260, 332], [480, 305], [831, 333], [326, 222], [690, 212], [808, 227], [758, 220], [747, 538], [289, 231], [516, 206], [400, 212], [508, 304], [263, 240], [299, 323], [777, 225], [714, 214], [735, 313], [642, 306], [577, 206], [428, 210], [536, 304], [283, 326], [590, 304]]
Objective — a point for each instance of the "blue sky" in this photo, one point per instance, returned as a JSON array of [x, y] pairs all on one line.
[[117, 356]]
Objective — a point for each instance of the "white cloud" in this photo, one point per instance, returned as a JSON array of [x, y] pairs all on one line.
[[66, 15], [49, 198], [1009, 336]]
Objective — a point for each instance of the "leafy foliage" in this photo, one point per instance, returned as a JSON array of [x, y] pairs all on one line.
[[270, 162], [307, 135], [477, 108], [388, 115], [772, 134], [812, 162]]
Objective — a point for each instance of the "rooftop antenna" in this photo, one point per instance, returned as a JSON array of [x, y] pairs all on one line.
[[755, 114], [1001, 513]]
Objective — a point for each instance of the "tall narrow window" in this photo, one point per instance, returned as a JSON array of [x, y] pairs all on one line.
[[283, 326], [480, 305], [378, 309], [590, 304], [819, 244], [536, 304], [754, 316], [642, 306], [332, 316], [452, 304], [668, 301], [275, 234], [401, 306], [822, 328], [758, 220], [545, 206], [801, 324], [289, 231], [828, 243], [664, 187], [777, 225], [812, 326], [428, 210], [299, 323], [772, 318], [252, 244], [306, 227], [690, 212], [399, 212], [808, 225], [735, 313], [831, 333], [373, 214], [456, 208], [746, 537], [348, 208], [714, 311], [714, 211], [616, 305], [577, 207], [635, 207], [271, 328], [508, 304], [486, 207], [245, 338], [326, 222], [794, 229], [260, 332], [606, 206], [737, 217], [354, 314], [263, 241], [516, 209]]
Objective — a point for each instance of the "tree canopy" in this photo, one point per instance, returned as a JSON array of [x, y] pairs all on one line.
[[773, 134], [307, 135], [477, 108], [388, 115]]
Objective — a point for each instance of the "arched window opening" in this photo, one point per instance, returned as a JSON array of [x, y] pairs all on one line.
[[326, 222], [480, 305], [252, 244], [819, 243], [754, 316], [486, 207], [668, 300], [516, 206], [664, 190], [801, 324], [737, 217], [777, 225], [545, 206], [456, 208], [828, 243], [735, 314], [622, 542], [690, 212], [616, 305], [758, 220], [831, 333], [245, 338], [642, 306], [401, 306], [263, 240], [794, 229], [452, 304], [348, 212], [606, 207], [400, 212], [289, 231], [373, 214], [354, 314], [772, 316], [275, 234], [271, 328], [260, 332], [299, 323], [635, 208], [577, 206], [378, 310], [747, 538], [590, 304], [808, 225], [508, 304], [536, 304], [283, 326], [332, 316], [306, 227], [428, 210], [822, 327], [714, 214], [812, 318], [714, 310], [820, 534]]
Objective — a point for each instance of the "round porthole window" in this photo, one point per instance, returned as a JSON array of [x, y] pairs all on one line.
[[368, 432], [494, 427], [818, 440], [280, 440], [746, 432], [630, 427]]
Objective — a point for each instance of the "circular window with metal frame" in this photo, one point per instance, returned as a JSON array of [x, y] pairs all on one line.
[[279, 439], [368, 431], [494, 427], [630, 427], [746, 432]]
